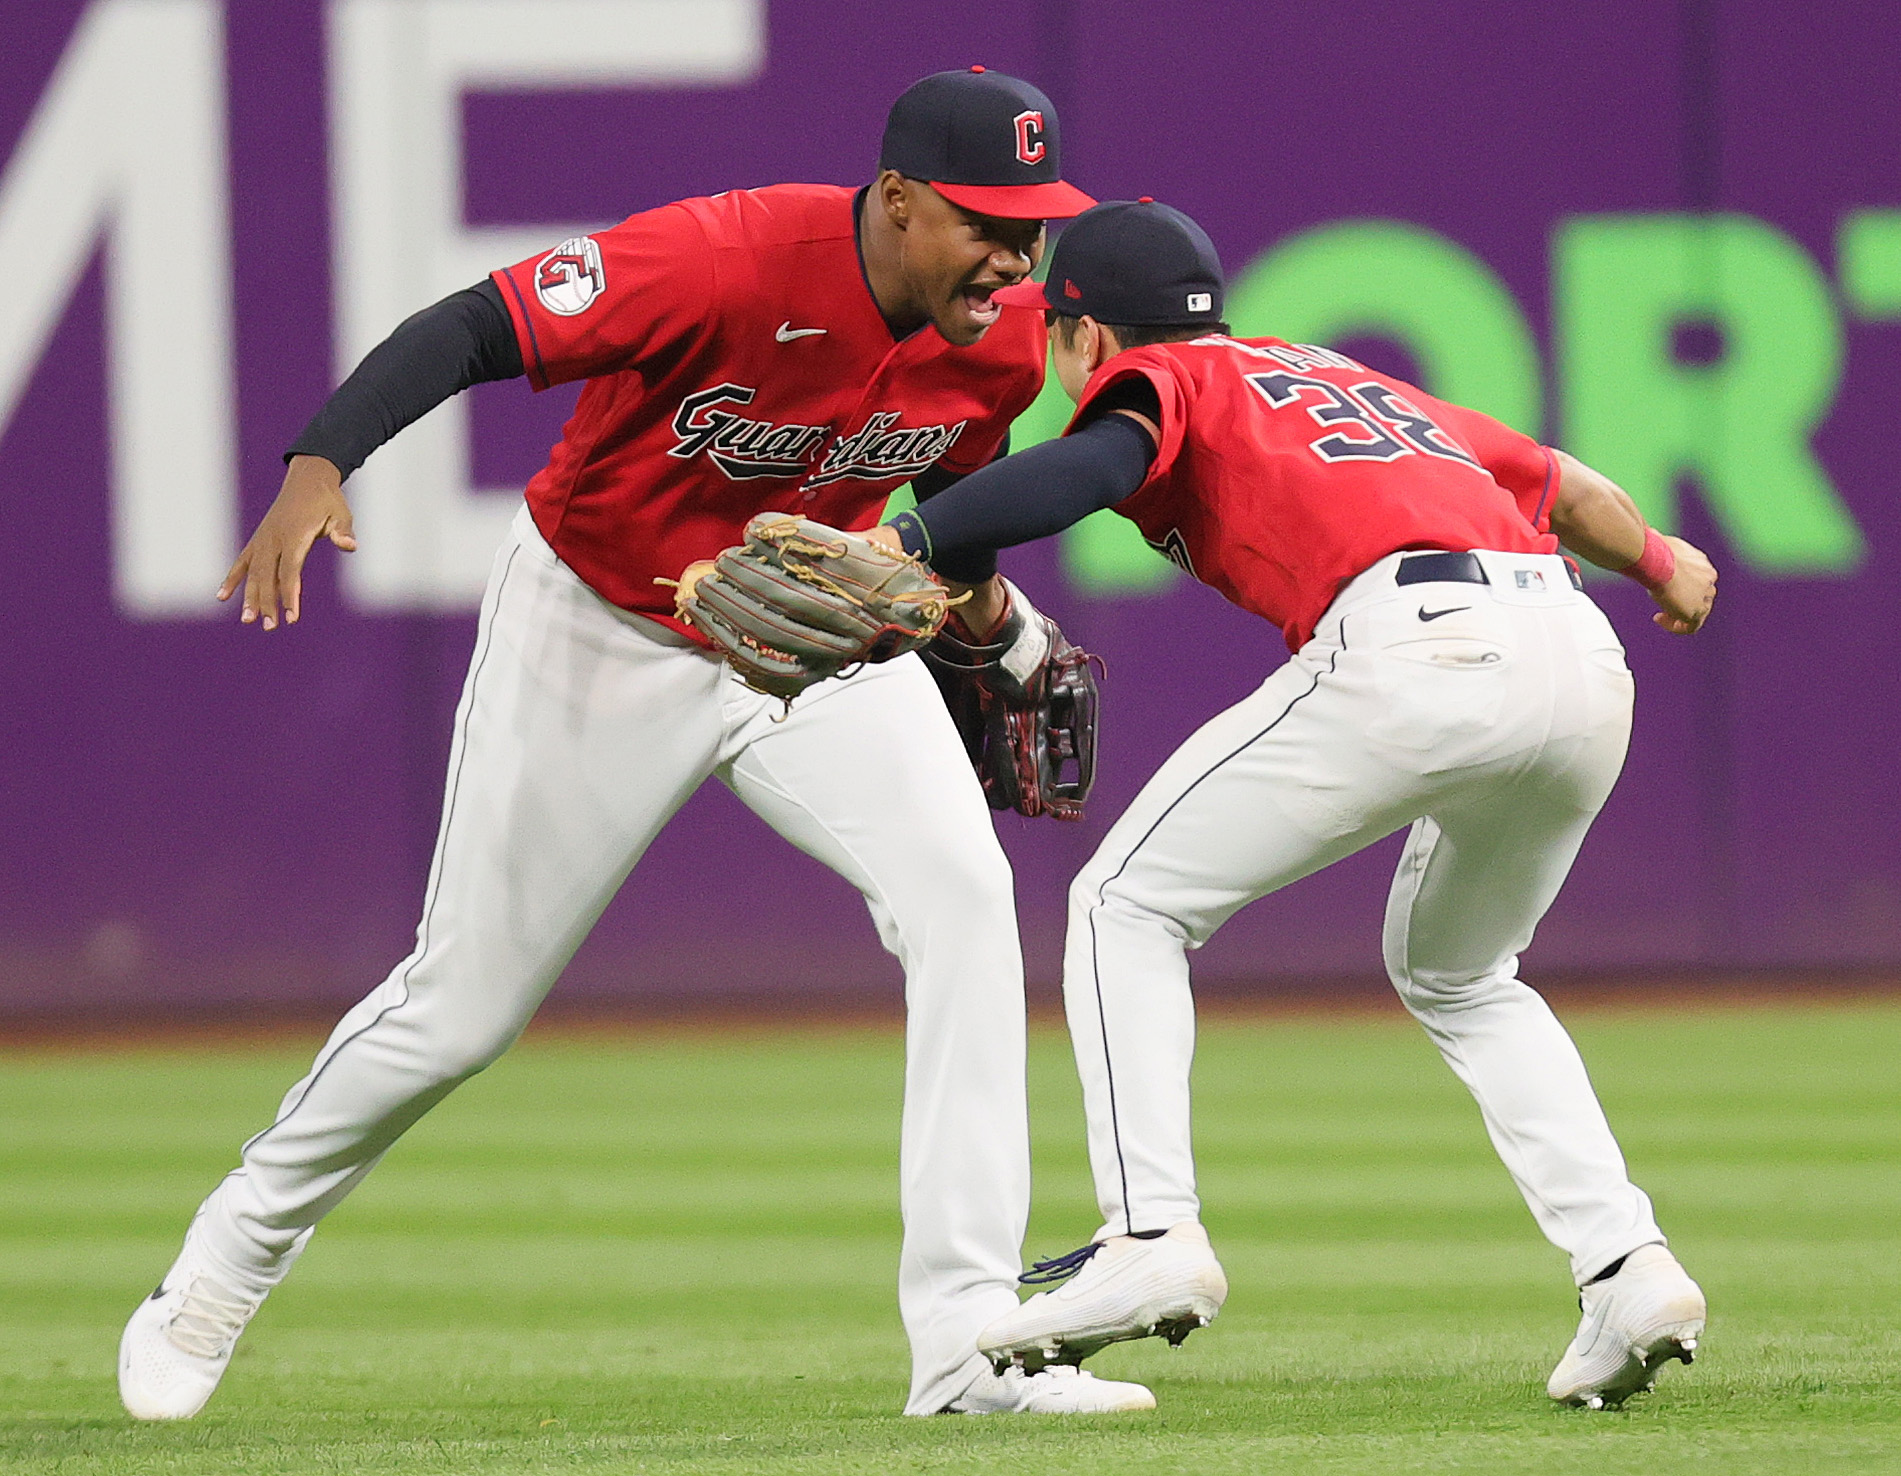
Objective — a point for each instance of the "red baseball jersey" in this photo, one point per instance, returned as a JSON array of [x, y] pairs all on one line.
[[1285, 470], [736, 363]]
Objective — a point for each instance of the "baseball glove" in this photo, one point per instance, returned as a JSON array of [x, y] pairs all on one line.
[[1024, 701], [799, 601]]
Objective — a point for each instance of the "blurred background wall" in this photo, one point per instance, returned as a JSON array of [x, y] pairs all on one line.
[[1665, 234]]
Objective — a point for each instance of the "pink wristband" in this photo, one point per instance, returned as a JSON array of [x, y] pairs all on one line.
[[1658, 563]]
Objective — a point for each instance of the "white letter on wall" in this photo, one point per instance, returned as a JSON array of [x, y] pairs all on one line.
[[129, 140], [398, 69]]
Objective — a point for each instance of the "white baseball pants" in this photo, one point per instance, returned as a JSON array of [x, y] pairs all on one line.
[[580, 731], [1491, 718]]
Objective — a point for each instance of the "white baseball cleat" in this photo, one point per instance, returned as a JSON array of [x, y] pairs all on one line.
[[178, 1343], [1053, 1391], [1634, 1323], [1125, 1287]]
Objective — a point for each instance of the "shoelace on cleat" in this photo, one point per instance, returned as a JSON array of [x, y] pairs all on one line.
[[1060, 1268], [208, 1319]]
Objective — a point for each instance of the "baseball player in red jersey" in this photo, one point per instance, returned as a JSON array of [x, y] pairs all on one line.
[[800, 348], [1448, 674]]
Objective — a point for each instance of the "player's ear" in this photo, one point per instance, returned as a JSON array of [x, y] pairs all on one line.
[[893, 193]]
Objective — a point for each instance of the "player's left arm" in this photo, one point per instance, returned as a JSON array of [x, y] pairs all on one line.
[[1596, 519], [1590, 514]]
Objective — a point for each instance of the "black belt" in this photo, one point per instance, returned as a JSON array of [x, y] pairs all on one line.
[[1456, 568]]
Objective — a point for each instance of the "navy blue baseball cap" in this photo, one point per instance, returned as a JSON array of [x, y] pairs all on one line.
[[984, 141], [1132, 262]]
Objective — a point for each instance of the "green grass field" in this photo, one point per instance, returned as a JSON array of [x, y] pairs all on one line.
[[677, 1255]]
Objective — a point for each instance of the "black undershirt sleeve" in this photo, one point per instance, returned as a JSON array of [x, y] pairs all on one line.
[[465, 339], [978, 565], [1032, 494]]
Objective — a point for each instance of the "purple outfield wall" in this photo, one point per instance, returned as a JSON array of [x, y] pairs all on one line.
[[1667, 235]]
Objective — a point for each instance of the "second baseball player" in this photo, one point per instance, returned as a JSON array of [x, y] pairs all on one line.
[[1448, 674]]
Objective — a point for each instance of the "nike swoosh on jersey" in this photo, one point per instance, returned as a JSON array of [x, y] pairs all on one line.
[[1424, 614], [786, 332]]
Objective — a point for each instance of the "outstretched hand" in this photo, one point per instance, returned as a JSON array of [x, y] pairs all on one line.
[[1684, 603], [310, 505]]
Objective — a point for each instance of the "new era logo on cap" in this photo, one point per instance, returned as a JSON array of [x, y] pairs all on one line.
[[987, 142]]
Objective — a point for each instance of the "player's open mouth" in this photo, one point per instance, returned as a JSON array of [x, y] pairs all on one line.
[[979, 303]]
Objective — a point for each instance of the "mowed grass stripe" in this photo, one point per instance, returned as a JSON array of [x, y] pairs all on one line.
[[677, 1255]]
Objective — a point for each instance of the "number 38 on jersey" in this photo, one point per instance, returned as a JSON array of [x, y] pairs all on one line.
[[1362, 422]]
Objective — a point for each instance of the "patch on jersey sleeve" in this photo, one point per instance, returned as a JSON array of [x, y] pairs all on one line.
[[570, 277]]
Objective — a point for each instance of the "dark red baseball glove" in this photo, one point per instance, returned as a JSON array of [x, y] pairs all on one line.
[[1024, 701]]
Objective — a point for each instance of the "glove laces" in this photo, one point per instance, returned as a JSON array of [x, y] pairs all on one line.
[[208, 1319]]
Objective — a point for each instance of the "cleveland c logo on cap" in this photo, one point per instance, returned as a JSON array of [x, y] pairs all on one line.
[[1030, 148]]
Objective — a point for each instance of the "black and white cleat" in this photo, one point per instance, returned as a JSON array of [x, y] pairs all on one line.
[[1128, 1287]]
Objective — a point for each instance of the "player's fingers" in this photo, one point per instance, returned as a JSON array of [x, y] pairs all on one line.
[[237, 575], [260, 590], [253, 586], [342, 531], [268, 610], [291, 588], [290, 572]]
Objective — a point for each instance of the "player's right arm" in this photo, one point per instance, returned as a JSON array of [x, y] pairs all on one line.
[[1596, 519], [310, 505], [1103, 458], [594, 305], [465, 339], [1028, 495]]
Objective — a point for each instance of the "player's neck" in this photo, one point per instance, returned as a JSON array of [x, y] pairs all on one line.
[[881, 257]]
